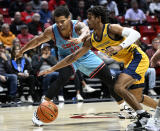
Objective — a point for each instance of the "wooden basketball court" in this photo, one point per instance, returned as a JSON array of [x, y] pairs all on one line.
[[101, 116]]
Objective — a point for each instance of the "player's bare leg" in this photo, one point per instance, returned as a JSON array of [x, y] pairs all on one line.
[[121, 85]]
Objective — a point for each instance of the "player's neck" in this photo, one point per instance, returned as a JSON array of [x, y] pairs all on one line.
[[98, 30], [67, 32]]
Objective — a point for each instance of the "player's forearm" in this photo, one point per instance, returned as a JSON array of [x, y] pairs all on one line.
[[131, 37], [65, 62], [30, 45]]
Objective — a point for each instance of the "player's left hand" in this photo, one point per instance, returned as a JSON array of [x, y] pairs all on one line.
[[45, 72], [75, 40], [113, 50]]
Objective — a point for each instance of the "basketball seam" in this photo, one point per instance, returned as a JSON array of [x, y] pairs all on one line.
[[50, 110], [43, 113]]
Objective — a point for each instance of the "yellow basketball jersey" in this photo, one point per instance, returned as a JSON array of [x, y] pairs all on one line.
[[124, 55]]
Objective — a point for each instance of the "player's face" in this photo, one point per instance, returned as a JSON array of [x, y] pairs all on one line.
[[62, 22], [91, 20]]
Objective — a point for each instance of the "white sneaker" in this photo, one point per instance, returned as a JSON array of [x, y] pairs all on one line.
[[42, 99], [152, 92], [127, 113], [30, 99], [153, 124], [1, 89], [88, 89], [79, 97], [35, 120], [60, 98], [23, 99]]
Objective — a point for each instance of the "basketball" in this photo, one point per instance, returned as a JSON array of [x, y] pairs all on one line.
[[47, 112]]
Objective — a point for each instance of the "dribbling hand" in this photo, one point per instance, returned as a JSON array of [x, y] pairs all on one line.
[[19, 55]]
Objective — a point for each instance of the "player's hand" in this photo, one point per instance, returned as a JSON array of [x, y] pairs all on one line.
[[113, 50], [19, 55], [45, 72], [75, 40]]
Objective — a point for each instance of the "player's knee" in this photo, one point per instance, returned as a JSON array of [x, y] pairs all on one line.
[[139, 98]]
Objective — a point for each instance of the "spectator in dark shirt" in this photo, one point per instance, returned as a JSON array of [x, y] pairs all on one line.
[[15, 6], [15, 26], [6, 76], [22, 68], [43, 61], [35, 26]]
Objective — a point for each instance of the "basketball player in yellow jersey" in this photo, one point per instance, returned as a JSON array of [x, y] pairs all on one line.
[[117, 42]]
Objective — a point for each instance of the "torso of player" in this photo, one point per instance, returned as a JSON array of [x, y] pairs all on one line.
[[124, 55], [64, 47]]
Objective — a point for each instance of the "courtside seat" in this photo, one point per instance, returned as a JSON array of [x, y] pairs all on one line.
[[145, 40], [4, 11], [147, 31], [152, 20]]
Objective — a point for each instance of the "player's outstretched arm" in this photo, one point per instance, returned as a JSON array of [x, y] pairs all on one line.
[[82, 30], [70, 58], [36, 41]]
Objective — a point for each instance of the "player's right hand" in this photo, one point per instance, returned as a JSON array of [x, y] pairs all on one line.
[[19, 55]]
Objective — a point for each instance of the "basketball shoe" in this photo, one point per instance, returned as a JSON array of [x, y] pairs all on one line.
[[127, 113], [35, 120], [88, 89], [153, 124], [140, 123]]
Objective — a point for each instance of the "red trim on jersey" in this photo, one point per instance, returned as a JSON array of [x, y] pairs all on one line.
[[97, 70]]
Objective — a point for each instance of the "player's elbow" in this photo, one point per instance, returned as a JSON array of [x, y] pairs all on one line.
[[138, 34]]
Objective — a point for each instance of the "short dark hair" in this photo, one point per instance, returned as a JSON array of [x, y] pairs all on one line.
[[99, 11], [61, 11]]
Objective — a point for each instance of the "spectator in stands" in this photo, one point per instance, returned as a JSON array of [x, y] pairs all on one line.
[[6, 76], [112, 18], [22, 68], [16, 5], [43, 61], [155, 45], [25, 36], [55, 3], [81, 10], [45, 13], [6, 36], [91, 3], [110, 5], [1, 21], [36, 4], [135, 16], [27, 14], [144, 5], [151, 72], [35, 26], [16, 24], [154, 7], [123, 5]]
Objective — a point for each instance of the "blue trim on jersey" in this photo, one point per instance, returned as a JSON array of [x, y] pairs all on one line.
[[130, 70]]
